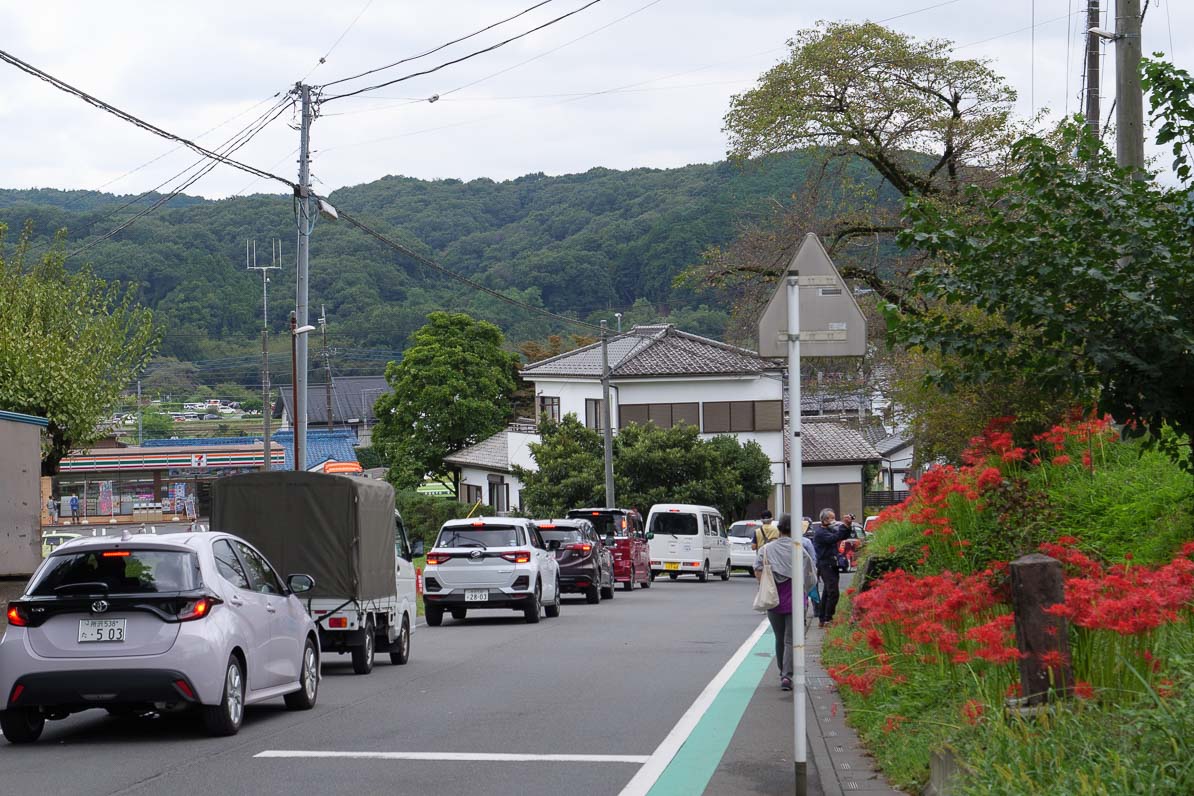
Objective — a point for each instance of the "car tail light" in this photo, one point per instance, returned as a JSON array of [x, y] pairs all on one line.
[[16, 617], [547, 526], [114, 553], [17, 690], [184, 687], [518, 557], [478, 524], [582, 547], [197, 609], [596, 513], [338, 622], [438, 558]]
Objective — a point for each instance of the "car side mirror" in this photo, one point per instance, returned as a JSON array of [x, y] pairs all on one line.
[[299, 583], [418, 548], [553, 544]]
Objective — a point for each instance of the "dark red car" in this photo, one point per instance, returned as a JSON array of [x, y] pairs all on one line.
[[632, 556], [586, 564]]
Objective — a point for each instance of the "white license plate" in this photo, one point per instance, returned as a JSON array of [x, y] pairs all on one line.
[[476, 595], [101, 630]]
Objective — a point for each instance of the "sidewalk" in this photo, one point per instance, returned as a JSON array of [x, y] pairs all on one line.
[[759, 758]]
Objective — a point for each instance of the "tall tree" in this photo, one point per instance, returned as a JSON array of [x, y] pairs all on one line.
[[452, 389], [69, 345], [569, 473]]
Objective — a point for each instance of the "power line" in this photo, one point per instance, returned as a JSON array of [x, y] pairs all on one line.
[[339, 39], [434, 50], [1014, 32], [462, 58], [134, 120]]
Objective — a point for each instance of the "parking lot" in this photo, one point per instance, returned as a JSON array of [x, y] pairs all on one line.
[[580, 704]]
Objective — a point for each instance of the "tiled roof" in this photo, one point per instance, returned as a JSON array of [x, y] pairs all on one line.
[[488, 454], [321, 446], [830, 443], [892, 444], [352, 399], [653, 351]]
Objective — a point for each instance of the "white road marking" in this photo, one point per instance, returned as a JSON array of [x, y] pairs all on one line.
[[646, 777], [460, 757]]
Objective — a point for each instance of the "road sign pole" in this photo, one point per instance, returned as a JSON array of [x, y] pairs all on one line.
[[795, 499]]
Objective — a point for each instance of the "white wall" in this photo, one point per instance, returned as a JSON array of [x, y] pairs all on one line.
[[901, 464], [572, 395], [834, 474], [518, 452]]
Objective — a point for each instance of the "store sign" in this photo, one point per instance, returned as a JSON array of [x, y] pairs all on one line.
[[199, 460]]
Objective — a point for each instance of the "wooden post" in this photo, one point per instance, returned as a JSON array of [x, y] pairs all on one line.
[[1037, 584]]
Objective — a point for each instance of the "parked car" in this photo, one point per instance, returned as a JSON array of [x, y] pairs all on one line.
[[632, 554], [211, 416], [50, 541], [140, 624], [688, 540], [742, 540], [586, 564], [490, 562]]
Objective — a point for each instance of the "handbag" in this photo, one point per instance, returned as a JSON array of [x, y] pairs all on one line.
[[768, 595]]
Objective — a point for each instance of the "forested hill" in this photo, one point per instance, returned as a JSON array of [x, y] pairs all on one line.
[[578, 243]]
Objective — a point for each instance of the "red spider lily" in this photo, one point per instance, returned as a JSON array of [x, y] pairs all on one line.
[[1083, 690], [1061, 460], [1053, 659], [893, 722], [973, 711]]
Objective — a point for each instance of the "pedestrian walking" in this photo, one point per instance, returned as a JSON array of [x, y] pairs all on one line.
[[52, 509], [766, 532], [826, 538], [74, 508], [778, 555]]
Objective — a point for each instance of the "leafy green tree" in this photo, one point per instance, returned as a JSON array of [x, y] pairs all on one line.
[[451, 390], [155, 425], [69, 345], [423, 515], [1088, 274], [570, 469]]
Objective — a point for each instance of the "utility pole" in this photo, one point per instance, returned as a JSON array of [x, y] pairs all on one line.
[[796, 515], [1129, 100], [266, 409], [140, 438], [305, 224], [327, 365], [1092, 67], [607, 431]]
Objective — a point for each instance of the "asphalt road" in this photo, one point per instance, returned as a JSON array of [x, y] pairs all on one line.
[[611, 679]]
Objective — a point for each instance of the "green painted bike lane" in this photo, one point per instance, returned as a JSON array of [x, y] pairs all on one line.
[[694, 764]]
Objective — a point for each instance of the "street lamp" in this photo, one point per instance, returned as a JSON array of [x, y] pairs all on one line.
[[295, 331]]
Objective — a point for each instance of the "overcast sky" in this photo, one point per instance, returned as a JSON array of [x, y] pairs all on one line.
[[667, 69]]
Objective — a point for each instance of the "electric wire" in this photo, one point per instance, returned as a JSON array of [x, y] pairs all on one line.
[[463, 58], [434, 50], [107, 107], [1013, 32], [336, 43]]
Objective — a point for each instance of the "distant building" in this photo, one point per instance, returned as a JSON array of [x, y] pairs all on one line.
[[22, 495], [353, 398]]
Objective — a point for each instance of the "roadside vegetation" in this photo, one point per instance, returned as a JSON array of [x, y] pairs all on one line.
[[929, 661]]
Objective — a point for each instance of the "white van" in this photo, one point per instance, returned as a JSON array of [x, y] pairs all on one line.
[[687, 540]]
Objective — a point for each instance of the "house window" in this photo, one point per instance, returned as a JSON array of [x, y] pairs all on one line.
[[723, 417], [662, 415], [499, 492], [593, 414], [470, 493], [549, 408]]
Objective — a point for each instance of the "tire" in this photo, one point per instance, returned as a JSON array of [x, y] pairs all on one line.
[[22, 725], [646, 584], [629, 585], [459, 614], [593, 595], [434, 616], [607, 592], [400, 649], [362, 656], [304, 698], [553, 610], [651, 576], [725, 573], [226, 717], [531, 612], [703, 575]]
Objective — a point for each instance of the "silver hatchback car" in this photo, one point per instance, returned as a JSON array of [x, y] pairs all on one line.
[[139, 624]]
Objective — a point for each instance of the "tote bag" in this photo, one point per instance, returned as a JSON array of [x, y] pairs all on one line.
[[768, 596]]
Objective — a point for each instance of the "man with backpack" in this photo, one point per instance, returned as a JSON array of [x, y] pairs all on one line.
[[765, 533]]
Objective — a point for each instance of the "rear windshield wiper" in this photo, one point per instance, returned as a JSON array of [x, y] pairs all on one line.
[[83, 586]]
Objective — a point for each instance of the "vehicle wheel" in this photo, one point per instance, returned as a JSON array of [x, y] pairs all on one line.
[[725, 573], [593, 595], [531, 612], [304, 698], [651, 576], [646, 584], [434, 616], [22, 725], [400, 650], [362, 656], [553, 610], [629, 585], [459, 613], [703, 575], [226, 717], [673, 575]]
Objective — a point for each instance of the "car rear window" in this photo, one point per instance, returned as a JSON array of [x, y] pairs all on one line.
[[480, 536], [562, 535], [605, 524], [744, 530], [118, 572], [675, 524]]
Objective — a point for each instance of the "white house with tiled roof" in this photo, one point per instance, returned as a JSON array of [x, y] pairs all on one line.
[[662, 375]]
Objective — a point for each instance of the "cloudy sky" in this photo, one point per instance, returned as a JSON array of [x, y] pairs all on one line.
[[622, 84]]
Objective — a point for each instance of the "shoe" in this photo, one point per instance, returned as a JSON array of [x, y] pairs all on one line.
[[785, 683]]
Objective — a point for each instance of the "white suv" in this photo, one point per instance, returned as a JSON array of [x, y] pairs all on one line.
[[490, 562]]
